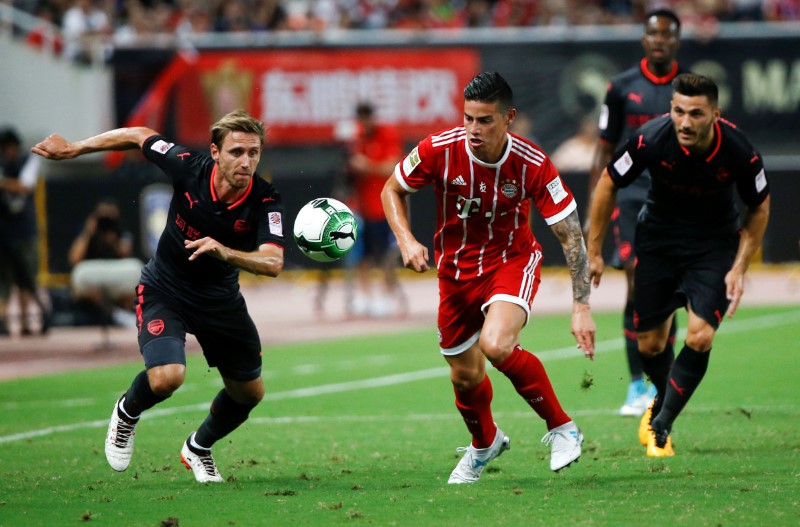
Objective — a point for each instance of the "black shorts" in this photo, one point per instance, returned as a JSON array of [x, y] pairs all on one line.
[[226, 333], [623, 221], [672, 277]]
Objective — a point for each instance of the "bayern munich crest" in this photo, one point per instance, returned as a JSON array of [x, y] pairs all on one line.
[[509, 188]]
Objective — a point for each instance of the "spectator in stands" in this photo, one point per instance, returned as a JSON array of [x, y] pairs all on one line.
[[105, 273], [46, 35], [19, 239], [86, 30]]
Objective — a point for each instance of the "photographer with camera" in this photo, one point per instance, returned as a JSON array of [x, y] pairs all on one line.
[[105, 273]]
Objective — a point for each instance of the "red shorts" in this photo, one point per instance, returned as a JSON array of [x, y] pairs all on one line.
[[463, 305]]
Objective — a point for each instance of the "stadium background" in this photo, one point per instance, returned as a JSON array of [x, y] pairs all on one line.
[[304, 85]]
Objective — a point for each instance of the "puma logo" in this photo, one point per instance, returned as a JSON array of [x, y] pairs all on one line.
[[338, 235], [191, 201]]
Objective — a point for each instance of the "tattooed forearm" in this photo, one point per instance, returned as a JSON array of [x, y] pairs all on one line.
[[568, 232]]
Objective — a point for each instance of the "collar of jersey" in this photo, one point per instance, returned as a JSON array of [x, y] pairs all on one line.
[[214, 192], [656, 79], [484, 163]]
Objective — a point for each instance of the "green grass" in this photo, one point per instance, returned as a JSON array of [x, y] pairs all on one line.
[[329, 448]]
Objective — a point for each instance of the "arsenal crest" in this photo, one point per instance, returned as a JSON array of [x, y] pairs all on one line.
[[155, 327]]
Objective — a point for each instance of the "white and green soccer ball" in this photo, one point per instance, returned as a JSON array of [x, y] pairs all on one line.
[[325, 229]]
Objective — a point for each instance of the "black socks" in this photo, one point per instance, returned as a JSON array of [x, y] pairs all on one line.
[[684, 378], [225, 416]]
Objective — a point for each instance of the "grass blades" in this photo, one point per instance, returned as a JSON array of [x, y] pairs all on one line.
[[364, 431]]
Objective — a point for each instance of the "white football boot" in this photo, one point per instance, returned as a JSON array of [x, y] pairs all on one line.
[[565, 445], [119, 440], [473, 462], [201, 465]]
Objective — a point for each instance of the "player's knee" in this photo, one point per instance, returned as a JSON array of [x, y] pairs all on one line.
[[252, 396], [650, 347], [164, 380], [465, 378], [496, 349], [700, 340]]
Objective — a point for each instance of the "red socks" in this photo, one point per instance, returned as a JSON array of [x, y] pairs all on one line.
[[529, 378], [475, 408]]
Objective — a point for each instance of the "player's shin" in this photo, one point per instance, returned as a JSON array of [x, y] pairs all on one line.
[[657, 368], [688, 370], [225, 416], [475, 407], [140, 396], [526, 372]]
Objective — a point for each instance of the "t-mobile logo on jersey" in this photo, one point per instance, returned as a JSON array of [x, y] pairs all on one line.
[[467, 207]]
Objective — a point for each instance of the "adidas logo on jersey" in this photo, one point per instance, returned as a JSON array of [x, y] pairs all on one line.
[[459, 181]]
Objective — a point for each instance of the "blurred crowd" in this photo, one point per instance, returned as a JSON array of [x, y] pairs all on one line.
[[80, 25], [126, 17]]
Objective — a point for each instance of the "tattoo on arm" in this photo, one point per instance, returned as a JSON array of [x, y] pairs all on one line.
[[568, 232]]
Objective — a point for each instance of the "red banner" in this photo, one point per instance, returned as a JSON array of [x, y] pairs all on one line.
[[309, 96]]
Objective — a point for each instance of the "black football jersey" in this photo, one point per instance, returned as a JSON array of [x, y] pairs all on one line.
[[692, 196], [195, 212], [634, 97]]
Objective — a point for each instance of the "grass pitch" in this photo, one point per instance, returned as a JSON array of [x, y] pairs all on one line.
[[363, 431]]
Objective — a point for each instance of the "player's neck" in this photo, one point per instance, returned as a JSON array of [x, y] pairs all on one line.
[[227, 193], [659, 69]]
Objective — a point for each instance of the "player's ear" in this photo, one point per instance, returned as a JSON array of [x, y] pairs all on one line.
[[511, 114], [214, 152]]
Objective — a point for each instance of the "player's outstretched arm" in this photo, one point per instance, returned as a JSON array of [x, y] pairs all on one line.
[[267, 260], [568, 232], [603, 202], [755, 224], [56, 148], [393, 196]]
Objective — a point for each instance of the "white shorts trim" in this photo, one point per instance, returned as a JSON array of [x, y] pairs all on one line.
[[512, 300], [461, 348]]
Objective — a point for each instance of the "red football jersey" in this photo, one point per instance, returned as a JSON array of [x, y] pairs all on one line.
[[384, 145], [482, 208]]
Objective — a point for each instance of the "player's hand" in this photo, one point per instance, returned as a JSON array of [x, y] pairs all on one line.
[[54, 147], [734, 285], [206, 245], [584, 329], [415, 256], [596, 267]]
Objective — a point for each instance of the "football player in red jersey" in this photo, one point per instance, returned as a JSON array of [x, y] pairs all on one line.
[[488, 263]]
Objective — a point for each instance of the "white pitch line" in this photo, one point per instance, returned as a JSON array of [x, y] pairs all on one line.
[[732, 326]]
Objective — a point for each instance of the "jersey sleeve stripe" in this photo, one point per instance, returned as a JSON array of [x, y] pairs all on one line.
[[448, 137], [398, 174], [563, 214], [538, 154], [527, 156]]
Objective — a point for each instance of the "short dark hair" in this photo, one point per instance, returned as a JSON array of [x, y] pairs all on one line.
[[490, 87], [666, 13], [693, 85], [364, 109], [9, 136]]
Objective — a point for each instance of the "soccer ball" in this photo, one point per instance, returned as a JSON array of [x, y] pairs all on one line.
[[325, 229]]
